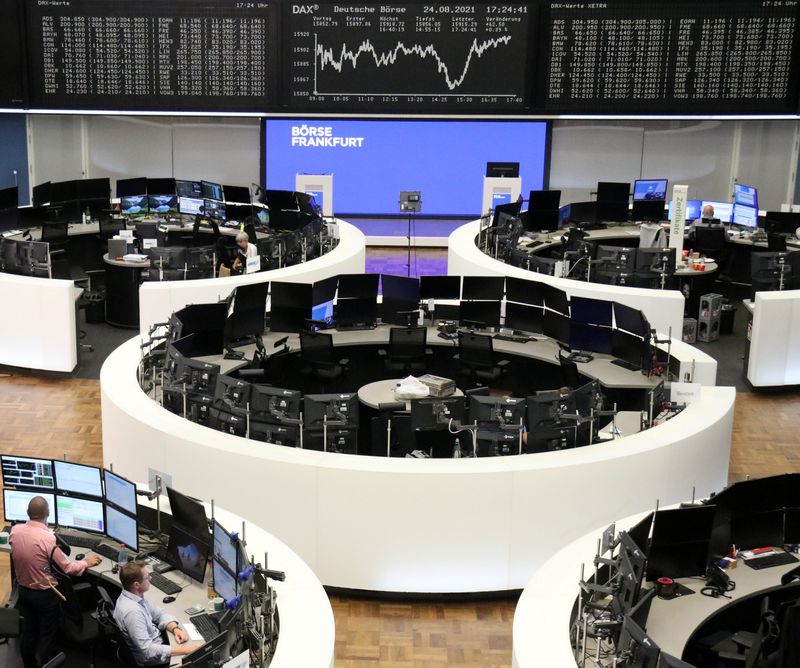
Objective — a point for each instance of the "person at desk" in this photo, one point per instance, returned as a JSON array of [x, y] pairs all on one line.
[[141, 623], [244, 251], [706, 220], [33, 546]]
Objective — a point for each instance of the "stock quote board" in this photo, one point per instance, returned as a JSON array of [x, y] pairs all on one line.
[[730, 57], [172, 55], [408, 56]]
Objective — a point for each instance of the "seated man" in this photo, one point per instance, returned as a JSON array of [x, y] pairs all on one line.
[[244, 251], [706, 220], [141, 623]]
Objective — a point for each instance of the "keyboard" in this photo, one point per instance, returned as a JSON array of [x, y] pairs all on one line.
[[627, 365], [164, 584], [207, 625], [779, 559], [358, 327], [109, 551], [81, 541], [515, 338]]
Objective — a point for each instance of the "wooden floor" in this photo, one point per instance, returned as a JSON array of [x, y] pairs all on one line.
[[52, 417]]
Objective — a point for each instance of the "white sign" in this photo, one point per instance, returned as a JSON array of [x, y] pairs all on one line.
[[149, 243], [684, 393], [126, 234], [241, 661], [253, 265], [680, 195]]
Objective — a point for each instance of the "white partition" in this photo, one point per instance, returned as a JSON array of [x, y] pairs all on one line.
[[775, 339], [494, 185], [158, 300], [317, 183], [38, 328], [410, 525], [663, 308]]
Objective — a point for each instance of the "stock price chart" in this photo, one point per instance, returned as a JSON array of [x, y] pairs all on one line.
[[151, 54], [408, 56]]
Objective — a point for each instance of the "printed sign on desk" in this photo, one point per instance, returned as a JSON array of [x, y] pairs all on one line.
[[684, 393], [253, 264]]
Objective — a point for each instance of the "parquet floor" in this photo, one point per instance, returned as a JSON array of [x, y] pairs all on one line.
[[51, 417]]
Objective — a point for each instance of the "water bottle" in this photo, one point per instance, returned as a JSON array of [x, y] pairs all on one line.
[[122, 559], [457, 449]]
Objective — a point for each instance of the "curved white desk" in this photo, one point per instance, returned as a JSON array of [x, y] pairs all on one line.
[[159, 300], [408, 525], [774, 339], [663, 308]]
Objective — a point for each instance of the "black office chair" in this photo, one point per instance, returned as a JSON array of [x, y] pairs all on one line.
[[55, 233], [319, 358], [109, 228], [776, 243], [476, 357], [105, 618], [569, 373], [749, 650], [407, 351], [710, 240], [401, 436]]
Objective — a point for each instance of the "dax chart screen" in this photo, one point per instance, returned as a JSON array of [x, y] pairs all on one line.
[[409, 56]]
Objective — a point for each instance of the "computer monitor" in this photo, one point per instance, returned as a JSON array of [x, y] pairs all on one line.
[[188, 553], [555, 299], [630, 319], [681, 542], [198, 376], [120, 492], [485, 312], [63, 191], [722, 210], [189, 514], [400, 288], [591, 311], [15, 504], [640, 533], [496, 410], [436, 413], [192, 189], [212, 654], [694, 209], [650, 190], [324, 290], [82, 514], [226, 548], [339, 410], [247, 312], [745, 216], [440, 287], [224, 580], [162, 204], [524, 318], [122, 528], [483, 287], [358, 286], [9, 198], [608, 191], [287, 435], [343, 440], [232, 393], [617, 258], [160, 186], [656, 260], [290, 306], [590, 338], [781, 222], [134, 205], [668, 661], [78, 479], [277, 403], [356, 312], [556, 326], [745, 195], [212, 191], [131, 187], [628, 347], [502, 170], [27, 472], [41, 194], [750, 530], [214, 209], [523, 291], [237, 194], [637, 645]]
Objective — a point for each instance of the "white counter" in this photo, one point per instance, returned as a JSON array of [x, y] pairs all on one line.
[[775, 339], [408, 525]]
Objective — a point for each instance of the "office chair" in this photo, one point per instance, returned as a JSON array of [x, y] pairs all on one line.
[[569, 373], [476, 357], [319, 358], [407, 350], [710, 239], [105, 618], [55, 233], [109, 228], [776, 243], [10, 624], [749, 649]]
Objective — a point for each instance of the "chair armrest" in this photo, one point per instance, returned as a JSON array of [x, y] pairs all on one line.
[[82, 586], [382, 352], [744, 638], [503, 363], [731, 657], [429, 351], [344, 361], [457, 356]]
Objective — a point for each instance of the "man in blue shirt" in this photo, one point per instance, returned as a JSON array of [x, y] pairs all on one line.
[[141, 623]]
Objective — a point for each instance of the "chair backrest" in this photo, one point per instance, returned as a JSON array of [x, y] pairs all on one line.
[[109, 227], [407, 342], [710, 238], [776, 243], [55, 232], [651, 235], [475, 349], [316, 348]]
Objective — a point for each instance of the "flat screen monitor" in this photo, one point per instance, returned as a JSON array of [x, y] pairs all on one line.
[[134, 205], [287, 435], [591, 311], [617, 258], [208, 655], [555, 299], [628, 347], [191, 206], [290, 306], [82, 514], [502, 170], [650, 190], [224, 581], [656, 260], [131, 187], [214, 209], [694, 209], [668, 661], [276, 402], [400, 288], [483, 287], [9, 198], [544, 199], [745, 195], [784, 222], [211, 190], [187, 553], [122, 528], [165, 186], [358, 286], [27, 472], [440, 287], [640, 533], [722, 210], [754, 530], [436, 413], [63, 191], [636, 644], [78, 479], [232, 393], [350, 312], [556, 326], [237, 194], [590, 338], [496, 410], [523, 317], [630, 319], [608, 191], [189, 514], [41, 194], [162, 203], [15, 504], [339, 409], [485, 312], [325, 290], [192, 189], [225, 547], [745, 216], [680, 543], [522, 291], [120, 492]]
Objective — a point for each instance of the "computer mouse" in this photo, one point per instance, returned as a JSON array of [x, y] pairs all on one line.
[[79, 556], [168, 599]]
